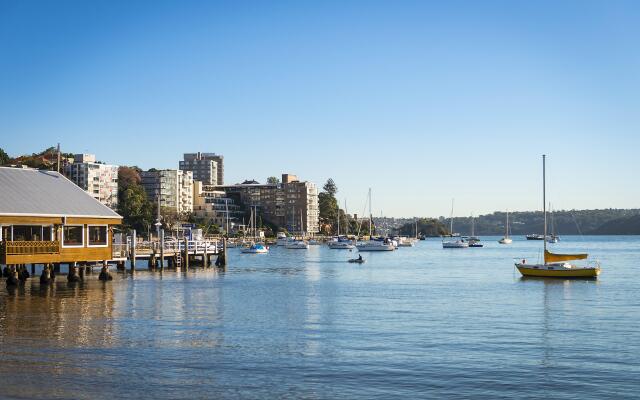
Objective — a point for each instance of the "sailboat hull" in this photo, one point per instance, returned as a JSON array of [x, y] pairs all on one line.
[[555, 271]]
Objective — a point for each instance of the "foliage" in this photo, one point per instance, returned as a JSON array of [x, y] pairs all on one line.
[[136, 210], [426, 226], [4, 157], [272, 180], [330, 187]]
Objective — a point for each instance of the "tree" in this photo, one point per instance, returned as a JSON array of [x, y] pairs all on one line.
[[4, 157], [330, 187], [136, 210], [272, 180], [328, 205]]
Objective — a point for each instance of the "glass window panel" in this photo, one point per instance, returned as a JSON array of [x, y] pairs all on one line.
[[27, 232], [72, 235], [97, 235], [46, 233]]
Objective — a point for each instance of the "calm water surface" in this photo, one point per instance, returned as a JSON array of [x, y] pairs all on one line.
[[421, 322]]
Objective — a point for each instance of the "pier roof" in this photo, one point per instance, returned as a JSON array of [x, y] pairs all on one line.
[[31, 192]]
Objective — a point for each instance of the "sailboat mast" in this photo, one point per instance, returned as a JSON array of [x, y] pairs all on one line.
[[346, 214], [544, 198], [451, 219], [370, 215]]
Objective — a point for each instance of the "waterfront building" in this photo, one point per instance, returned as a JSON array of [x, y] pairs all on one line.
[[173, 188], [291, 204], [216, 207], [207, 168], [98, 179], [45, 218]]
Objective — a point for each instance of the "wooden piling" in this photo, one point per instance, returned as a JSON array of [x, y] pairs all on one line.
[[133, 250], [186, 254], [161, 249]]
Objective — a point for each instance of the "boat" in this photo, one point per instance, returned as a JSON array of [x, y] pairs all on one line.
[[340, 243], [535, 236], [405, 242], [297, 245], [457, 243], [282, 239], [473, 240], [314, 242], [374, 244], [357, 260], [506, 239], [556, 265], [255, 248], [554, 237]]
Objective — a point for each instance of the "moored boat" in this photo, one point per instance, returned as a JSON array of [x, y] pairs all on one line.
[[555, 265], [256, 248], [506, 239]]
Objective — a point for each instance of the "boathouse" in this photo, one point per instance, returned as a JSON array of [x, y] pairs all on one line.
[[46, 219]]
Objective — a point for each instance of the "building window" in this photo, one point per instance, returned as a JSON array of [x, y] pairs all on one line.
[[72, 236], [97, 235], [31, 233]]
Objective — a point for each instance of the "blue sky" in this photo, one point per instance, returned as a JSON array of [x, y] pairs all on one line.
[[421, 101]]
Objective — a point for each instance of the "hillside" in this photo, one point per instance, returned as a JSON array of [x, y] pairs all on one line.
[[620, 226]]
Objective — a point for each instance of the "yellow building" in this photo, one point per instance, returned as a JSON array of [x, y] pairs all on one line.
[[45, 218]]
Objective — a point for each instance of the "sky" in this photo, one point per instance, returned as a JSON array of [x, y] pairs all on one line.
[[420, 101]]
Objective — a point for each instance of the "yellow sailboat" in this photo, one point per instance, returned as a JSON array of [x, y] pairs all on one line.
[[556, 265]]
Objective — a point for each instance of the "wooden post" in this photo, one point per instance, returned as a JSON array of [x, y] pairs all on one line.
[[133, 250], [205, 257], [186, 254], [161, 249]]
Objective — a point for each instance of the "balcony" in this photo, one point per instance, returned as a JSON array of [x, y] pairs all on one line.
[[27, 247]]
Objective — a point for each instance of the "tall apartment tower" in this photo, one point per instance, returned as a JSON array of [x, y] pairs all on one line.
[[98, 179], [173, 188], [207, 168]]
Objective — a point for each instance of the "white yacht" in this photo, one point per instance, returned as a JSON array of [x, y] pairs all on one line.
[[340, 243], [376, 245], [506, 239], [256, 249], [457, 243], [297, 245]]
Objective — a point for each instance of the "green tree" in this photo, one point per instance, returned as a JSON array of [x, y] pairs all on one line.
[[330, 187], [328, 205], [4, 157], [272, 180], [137, 211]]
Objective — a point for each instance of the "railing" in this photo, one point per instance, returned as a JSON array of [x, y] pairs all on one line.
[[20, 247], [145, 248]]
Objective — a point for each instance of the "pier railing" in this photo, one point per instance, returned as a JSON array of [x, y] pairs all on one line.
[[145, 248]]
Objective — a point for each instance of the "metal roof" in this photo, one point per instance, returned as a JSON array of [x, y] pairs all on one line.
[[46, 193]]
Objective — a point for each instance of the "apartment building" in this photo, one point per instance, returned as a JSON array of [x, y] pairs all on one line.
[[217, 207], [291, 204], [98, 179], [172, 187], [207, 168]]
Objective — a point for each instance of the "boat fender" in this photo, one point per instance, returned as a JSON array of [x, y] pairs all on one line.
[[524, 261]]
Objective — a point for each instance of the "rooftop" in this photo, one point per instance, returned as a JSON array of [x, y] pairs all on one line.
[[46, 193]]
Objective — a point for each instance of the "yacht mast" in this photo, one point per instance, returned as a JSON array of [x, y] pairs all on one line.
[[451, 219], [370, 215], [544, 199]]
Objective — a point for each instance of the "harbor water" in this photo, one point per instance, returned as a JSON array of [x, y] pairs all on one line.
[[420, 322]]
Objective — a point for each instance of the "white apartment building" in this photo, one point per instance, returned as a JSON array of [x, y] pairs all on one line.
[[174, 188], [98, 179]]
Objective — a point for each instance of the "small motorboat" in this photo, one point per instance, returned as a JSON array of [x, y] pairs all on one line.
[[256, 249], [359, 260]]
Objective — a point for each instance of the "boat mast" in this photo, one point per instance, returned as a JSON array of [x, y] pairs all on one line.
[[544, 199], [346, 214], [451, 219], [506, 228], [370, 215], [473, 226]]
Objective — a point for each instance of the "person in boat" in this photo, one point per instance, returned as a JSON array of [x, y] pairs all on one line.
[[359, 257]]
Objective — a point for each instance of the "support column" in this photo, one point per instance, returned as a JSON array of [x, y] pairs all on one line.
[[133, 250], [73, 276], [45, 276], [186, 254], [105, 275]]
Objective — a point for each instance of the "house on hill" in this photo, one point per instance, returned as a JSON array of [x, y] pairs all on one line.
[[45, 218]]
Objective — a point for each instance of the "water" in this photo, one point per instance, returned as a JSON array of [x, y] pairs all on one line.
[[421, 322]]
